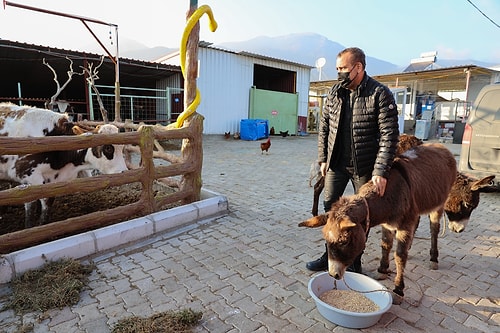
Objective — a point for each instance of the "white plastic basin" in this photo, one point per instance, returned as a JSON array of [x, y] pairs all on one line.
[[323, 282]]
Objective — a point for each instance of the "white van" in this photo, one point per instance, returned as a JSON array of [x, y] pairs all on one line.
[[480, 154]]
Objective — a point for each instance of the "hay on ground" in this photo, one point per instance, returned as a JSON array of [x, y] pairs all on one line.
[[55, 285], [181, 321]]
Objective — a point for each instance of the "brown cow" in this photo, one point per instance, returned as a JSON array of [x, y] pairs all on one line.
[[419, 183]]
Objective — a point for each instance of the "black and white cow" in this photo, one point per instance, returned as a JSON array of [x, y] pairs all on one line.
[[26, 121], [54, 166]]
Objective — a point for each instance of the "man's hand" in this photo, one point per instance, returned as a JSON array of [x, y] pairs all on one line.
[[380, 183], [323, 169]]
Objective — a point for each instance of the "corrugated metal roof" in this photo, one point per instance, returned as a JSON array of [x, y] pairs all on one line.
[[23, 71], [450, 68], [14, 45], [251, 54], [209, 45], [442, 79]]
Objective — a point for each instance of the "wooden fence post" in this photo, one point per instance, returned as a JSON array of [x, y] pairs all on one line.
[[146, 145], [192, 151], [191, 59], [192, 148]]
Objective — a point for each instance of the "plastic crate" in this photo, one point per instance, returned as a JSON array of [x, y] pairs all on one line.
[[254, 129]]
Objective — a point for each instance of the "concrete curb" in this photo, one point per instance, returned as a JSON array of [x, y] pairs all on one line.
[[211, 206]]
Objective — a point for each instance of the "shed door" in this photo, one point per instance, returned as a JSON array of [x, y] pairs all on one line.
[[280, 109]]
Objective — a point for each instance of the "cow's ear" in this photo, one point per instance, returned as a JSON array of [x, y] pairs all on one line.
[[77, 130], [316, 221], [94, 130]]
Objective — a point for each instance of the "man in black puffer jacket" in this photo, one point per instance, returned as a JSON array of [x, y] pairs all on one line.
[[358, 135]]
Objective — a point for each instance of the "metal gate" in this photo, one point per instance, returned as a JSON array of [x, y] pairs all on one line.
[[138, 104]]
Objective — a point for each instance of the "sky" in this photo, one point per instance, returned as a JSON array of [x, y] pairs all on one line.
[[392, 30]]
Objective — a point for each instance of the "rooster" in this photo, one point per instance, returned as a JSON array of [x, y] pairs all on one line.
[[284, 134], [265, 146]]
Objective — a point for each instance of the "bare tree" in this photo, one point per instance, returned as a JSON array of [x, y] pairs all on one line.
[[92, 74], [53, 100]]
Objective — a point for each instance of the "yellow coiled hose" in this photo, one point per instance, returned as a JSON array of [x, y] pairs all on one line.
[[187, 31]]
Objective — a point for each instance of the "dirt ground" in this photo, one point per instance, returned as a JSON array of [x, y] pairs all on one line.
[[12, 217]]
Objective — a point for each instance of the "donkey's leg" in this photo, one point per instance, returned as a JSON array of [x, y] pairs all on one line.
[[404, 240], [418, 223], [435, 219], [386, 244]]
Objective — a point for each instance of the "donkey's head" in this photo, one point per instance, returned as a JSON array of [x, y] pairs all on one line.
[[344, 230], [464, 198]]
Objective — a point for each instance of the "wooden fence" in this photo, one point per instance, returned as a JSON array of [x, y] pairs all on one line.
[[141, 139]]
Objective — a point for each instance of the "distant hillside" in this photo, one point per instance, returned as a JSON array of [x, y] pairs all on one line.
[[306, 48], [462, 62], [303, 48], [147, 54], [133, 49]]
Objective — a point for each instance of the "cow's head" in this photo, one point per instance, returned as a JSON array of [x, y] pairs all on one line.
[[463, 199], [344, 230], [107, 158]]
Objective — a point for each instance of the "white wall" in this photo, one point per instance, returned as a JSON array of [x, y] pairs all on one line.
[[224, 83]]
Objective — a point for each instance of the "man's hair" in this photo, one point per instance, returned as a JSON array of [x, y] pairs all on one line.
[[357, 55]]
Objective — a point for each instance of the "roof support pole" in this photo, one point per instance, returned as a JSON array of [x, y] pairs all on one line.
[[467, 81]]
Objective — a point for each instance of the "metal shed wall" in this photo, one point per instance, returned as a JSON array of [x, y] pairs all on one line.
[[224, 81]]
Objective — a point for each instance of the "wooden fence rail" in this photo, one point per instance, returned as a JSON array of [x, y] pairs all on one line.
[[144, 141]]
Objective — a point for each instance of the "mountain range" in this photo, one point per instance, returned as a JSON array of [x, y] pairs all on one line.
[[303, 48]]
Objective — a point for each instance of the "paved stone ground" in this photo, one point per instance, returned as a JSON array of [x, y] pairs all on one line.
[[246, 271]]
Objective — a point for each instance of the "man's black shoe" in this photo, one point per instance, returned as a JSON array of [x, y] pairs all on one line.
[[356, 266], [354, 269], [320, 264]]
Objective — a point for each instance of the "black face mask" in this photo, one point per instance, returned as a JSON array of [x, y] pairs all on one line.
[[344, 78]]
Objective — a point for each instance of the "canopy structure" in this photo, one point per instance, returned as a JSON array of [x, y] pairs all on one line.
[[458, 78], [24, 73]]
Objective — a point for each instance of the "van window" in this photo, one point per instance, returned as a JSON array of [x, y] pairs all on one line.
[[488, 107]]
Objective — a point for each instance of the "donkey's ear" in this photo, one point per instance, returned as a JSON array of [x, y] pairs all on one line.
[[347, 223], [481, 183], [316, 221]]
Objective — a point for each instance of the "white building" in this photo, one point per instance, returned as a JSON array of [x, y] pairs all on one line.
[[241, 85]]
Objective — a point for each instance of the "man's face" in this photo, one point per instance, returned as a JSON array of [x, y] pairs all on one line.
[[344, 63], [351, 70]]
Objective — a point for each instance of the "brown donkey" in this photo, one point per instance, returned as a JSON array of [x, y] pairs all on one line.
[[419, 183], [462, 199]]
